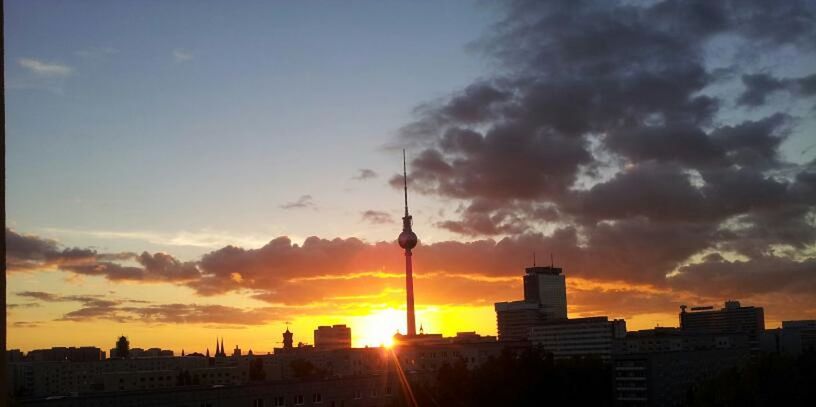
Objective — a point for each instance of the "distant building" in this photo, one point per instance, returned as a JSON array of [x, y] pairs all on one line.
[[733, 318], [472, 337], [579, 337], [122, 348], [545, 299], [287, 339], [71, 354], [657, 367], [516, 318], [793, 338], [332, 337]]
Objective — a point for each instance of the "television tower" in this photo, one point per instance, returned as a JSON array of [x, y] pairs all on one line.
[[408, 240]]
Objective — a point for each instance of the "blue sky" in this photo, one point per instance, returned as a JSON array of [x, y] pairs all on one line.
[[170, 117]]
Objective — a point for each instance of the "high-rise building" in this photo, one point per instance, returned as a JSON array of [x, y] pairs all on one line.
[[332, 337], [546, 286], [733, 318], [545, 299]]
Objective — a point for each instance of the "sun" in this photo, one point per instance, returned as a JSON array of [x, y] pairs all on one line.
[[378, 328]]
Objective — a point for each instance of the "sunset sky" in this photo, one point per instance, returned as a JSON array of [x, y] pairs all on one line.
[[180, 171]]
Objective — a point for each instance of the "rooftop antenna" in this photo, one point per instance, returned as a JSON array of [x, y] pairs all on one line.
[[405, 181], [552, 262], [534, 258]]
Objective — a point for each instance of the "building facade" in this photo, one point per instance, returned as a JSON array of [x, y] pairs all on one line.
[[579, 337], [547, 287], [733, 318], [657, 367]]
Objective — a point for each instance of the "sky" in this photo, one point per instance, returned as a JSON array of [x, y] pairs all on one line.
[[181, 171]]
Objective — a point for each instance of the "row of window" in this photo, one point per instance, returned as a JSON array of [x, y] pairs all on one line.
[[317, 398]]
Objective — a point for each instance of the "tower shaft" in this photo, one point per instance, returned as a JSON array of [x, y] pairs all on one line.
[[409, 292]]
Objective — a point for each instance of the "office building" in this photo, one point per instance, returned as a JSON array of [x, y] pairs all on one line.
[[332, 337], [657, 367], [547, 287], [545, 299], [733, 318], [578, 337]]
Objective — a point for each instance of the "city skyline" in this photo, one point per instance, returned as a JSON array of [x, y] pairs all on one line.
[[232, 169]]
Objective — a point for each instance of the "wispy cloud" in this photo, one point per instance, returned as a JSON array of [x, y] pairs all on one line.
[[364, 174], [377, 217], [180, 55], [305, 201], [23, 305], [201, 238], [43, 68], [27, 324]]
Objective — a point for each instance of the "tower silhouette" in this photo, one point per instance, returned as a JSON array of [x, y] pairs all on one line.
[[287, 339], [408, 240]]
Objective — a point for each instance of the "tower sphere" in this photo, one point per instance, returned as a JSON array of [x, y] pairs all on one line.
[[407, 239]]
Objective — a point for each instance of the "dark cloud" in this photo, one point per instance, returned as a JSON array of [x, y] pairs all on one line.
[[624, 82], [377, 217], [25, 252], [96, 307], [305, 201], [364, 174], [27, 324], [717, 276], [758, 87], [32, 253], [39, 295], [600, 121], [24, 305], [634, 255], [176, 314]]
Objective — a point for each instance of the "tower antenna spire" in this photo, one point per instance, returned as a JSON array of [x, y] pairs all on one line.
[[408, 240], [405, 181]]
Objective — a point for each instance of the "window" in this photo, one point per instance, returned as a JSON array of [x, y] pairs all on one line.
[[317, 398], [257, 403], [299, 400], [358, 394], [278, 401], [387, 390], [373, 392]]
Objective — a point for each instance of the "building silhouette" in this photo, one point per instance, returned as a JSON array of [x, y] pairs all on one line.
[[332, 337], [579, 337], [287, 339], [122, 348], [733, 318], [657, 367], [545, 299]]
